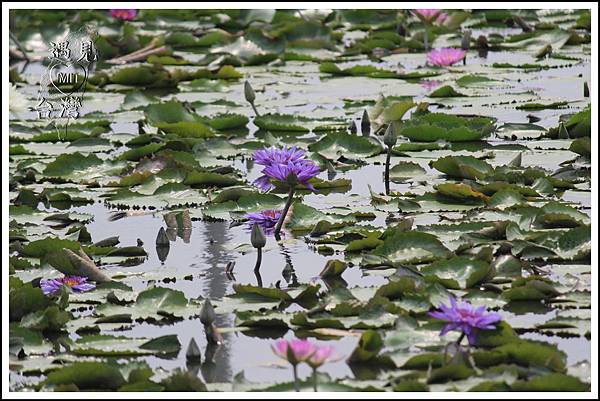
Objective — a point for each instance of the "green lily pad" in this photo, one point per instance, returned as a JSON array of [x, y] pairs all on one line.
[[555, 214], [251, 202], [534, 353], [406, 248], [282, 122], [406, 170], [66, 164], [336, 145], [87, 376], [208, 179], [432, 127], [107, 345], [551, 382], [446, 91], [521, 131], [462, 167], [154, 303], [459, 272], [304, 218]]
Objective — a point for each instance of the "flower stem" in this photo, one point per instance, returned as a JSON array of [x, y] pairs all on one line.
[[296, 384], [462, 335], [258, 278], [315, 380], [255, 110], [426, 41], [387, 171], [258, 259], [288, 203]]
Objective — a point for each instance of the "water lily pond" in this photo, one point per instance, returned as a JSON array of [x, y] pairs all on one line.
[[309, 200]]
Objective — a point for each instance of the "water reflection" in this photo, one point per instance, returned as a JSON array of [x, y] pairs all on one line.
[[288, 272], [217, 365]]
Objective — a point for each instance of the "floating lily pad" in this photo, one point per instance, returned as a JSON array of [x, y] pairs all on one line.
[[407, 247], [432, 127], [457, 273]]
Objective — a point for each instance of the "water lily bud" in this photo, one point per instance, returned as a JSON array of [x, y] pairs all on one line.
[[249, 92], [465, 43], [229, 267], [257, 237], [562, 131], [193, 352], [545, 51], [17, 246], [207, 313], [365, 124], [516, 162], [401, 30], [331, 172], [390, 138], [522, 23], [482, 42], [379, 52], [422, 108], [353, 127], [162, 239], [586, 89]]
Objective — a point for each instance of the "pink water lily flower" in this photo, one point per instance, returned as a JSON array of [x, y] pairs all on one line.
[[430, 84], [441, 18], [321, 355], [125, 15], [427, 14], [445, 57], [294, 351]]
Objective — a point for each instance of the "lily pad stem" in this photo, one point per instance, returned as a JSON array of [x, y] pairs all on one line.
[[288, 203]]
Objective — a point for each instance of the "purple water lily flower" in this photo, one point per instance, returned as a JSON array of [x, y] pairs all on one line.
[[294, 351], [267, 219], [125, 15], [284, 164], [445, 57], [298, 172], [463, 316], [274, 155], [264, 183], [76, 283]]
